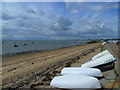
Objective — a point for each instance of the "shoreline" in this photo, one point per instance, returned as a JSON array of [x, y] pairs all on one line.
[[22, 46], [35, 51], [37, 69]]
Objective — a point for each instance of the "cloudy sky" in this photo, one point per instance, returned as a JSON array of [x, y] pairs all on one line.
[[59, 20]]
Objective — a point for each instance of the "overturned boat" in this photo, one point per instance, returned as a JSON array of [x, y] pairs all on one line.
[[94, 72], [101, 54], [106, 59], [73, 81]]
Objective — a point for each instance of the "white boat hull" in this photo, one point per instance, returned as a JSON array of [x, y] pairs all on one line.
[[103, 53], [100, 61], [75, 81], [94, 72]]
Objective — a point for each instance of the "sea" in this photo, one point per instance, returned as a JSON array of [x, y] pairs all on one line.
[[12, 47]]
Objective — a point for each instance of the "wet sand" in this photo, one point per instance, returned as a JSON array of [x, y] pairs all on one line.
[[36, 70]]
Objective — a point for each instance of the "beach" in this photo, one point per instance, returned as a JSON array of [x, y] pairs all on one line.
[[37, 69]]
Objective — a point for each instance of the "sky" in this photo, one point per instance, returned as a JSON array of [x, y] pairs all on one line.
[[59, 20]]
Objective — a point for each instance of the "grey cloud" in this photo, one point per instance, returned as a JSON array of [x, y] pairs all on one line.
[[6, 16], [93, 6], [41, 12], [30, 10], [92, 29], [62, 24], [34, 10]]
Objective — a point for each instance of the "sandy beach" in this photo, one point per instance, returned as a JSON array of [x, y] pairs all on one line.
[[36, 70]]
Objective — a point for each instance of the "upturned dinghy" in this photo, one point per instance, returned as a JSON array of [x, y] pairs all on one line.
[[101, 54], [84, 71], [100, 61], [103, 43], [74, 81]]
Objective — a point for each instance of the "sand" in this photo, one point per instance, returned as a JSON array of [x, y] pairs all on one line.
[[36, 70]]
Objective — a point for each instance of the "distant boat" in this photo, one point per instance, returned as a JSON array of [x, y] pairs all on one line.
[[15, 45], [24, 44]]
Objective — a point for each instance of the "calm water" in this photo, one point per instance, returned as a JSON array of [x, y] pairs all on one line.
[[19, 46]]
